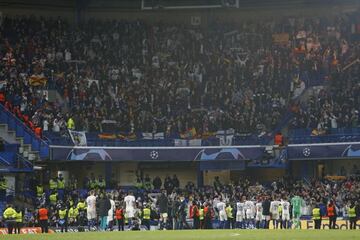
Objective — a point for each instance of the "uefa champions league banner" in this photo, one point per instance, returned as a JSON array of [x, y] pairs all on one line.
[[323, 150], [176, 154]]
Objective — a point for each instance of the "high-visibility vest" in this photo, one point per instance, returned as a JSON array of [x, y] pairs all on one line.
[[62, 213], [81, 206], [19, 217], [195, 211], [73, 212], [278, 139], [53, 198], [9, 213], [206, 211], [70, 124], [38, 131], [316, 213], [201, 212], [352, 212], [229, 212], [3, 184], [61, 184], [119, 214], [53, 184], [43, 214], [101, 184], [331, 211], [93, 184], [146, 213], [39, 191]]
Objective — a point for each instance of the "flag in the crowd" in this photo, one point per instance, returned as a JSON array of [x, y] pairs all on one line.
[[281, 38], [185, 143], [107, 136], [225, 137], [36, 80], [190, 133], [78, 138], [148, 135]]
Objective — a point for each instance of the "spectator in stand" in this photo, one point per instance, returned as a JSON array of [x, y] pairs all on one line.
[[157, 183]]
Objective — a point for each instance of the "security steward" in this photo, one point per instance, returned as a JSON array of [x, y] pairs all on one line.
[[146, 216], [10, 218], [316, 217], [53, 184], [331, 212], [201, 213], [352, 215], [229, 213], [119, 216], [19, 220], [39, 190], [43, 215], [63, 218]]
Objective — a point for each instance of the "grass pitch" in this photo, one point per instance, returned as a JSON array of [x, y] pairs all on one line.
[[200, 235]]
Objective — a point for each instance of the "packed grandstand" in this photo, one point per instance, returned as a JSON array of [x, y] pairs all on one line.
[[98, 118]]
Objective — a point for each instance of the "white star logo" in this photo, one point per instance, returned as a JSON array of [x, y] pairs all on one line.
[[306, 152], [154, 154]]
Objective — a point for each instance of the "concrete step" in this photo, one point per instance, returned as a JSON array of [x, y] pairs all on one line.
[[8, 136], [20, 140], [4, 127]]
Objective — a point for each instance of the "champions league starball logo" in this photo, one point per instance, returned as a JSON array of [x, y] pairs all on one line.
[[154, 154], [306, 152]]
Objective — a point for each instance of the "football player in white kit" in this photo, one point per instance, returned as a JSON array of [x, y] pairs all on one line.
[[285, 213], [250, 214], [91, 209], [240, 214], [222, 213], [130, 206], [259, 216], [274, 209]]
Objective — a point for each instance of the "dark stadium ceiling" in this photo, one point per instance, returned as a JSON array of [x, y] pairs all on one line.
[[163, 4]]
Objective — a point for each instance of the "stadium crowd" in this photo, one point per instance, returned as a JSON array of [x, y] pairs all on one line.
[[166, 206], [174, 78]]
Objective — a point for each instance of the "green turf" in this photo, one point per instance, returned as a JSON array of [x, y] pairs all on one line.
[[201, 235]]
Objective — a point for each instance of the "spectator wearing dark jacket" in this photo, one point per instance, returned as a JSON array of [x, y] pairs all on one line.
[[104, 206], [157, 183]]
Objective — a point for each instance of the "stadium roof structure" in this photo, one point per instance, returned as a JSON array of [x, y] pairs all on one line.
[[168, 4]]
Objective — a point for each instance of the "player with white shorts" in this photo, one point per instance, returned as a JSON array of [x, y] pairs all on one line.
[[259, 216], [285, 213], [250, 213], [130, 206], [222, 213], [91, 209], [240, 214], [274, 209]]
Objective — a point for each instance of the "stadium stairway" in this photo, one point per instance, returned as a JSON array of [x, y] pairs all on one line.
[[14, 131]]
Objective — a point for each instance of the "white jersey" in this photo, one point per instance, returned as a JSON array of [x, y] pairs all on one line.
[[259, 208], [129, 202], [220, 206], [249, 209], [274, 207], [240, 208], [285, 207], [111, 211], [91, 203]]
